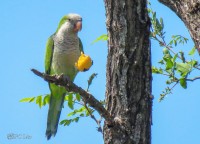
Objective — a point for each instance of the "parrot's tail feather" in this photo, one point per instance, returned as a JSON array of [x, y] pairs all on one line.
[[55, 107]]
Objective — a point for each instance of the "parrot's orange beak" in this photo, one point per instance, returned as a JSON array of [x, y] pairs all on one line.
[[78, 26]]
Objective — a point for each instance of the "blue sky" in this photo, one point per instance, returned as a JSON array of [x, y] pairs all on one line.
[[25, 27]]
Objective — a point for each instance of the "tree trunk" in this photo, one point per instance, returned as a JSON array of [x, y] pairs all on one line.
[[128, 85], [189, 12]]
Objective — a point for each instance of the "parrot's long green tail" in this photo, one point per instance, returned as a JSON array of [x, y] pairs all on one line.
[[55, 107]]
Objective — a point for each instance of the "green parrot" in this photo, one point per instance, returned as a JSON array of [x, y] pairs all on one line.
[[62, 52]]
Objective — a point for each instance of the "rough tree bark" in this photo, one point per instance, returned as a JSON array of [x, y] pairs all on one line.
[[189, 12], [128, 86]]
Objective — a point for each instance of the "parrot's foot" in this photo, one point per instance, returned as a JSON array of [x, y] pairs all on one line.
[[57, 76], [66, 77], [63, 76]]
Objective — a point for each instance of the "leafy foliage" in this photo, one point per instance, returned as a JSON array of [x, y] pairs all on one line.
[[83, 111], [76, 115], [174, 65], [79, 108], [40, 100]]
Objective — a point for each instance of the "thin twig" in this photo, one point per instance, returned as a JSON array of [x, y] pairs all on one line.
[[93, 117], [193, 79], [164, 74], [90, 113], [177, 81], [174, 85]]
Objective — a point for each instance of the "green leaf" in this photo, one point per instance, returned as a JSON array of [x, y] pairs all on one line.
[[193, 63], [158, 25], [69, 121], [164, 93], [154, 16], [78, 97], [192, 51], [175, 42], [169, 64], [76, 111], [66, 98], [183, 82], [82, 115], [46, 99], [62, 122], [178, 39], [165, 51], [161, 62], [75, 119], [81, 109], [88, 112], [182, 56], [174, 58], [161, 23], [91, 79], [156, 70], [32, 100], [28, 99], [39, 101], [183, 68], [66, 122], [185, 39], [70, 101], [71, 113], [168, 82], [103, 37], [167, 56]]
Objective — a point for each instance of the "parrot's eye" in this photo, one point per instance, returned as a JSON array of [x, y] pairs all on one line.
[[69, 19]]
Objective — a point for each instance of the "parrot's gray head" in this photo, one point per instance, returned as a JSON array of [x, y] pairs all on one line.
[[70, 23]]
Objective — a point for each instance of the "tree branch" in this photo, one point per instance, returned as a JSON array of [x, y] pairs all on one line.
[[70, 86], [188, 11]]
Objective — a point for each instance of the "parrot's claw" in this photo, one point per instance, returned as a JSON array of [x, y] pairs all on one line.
[[62, 76], [57, 76]]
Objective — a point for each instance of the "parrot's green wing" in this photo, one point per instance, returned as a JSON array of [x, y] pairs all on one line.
[[49, 54], [57, 93]]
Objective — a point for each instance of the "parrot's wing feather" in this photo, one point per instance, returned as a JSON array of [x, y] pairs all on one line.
[[49, 54], [81, 46]]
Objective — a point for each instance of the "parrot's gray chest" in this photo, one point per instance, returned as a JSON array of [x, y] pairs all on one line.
[[66, 54]]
